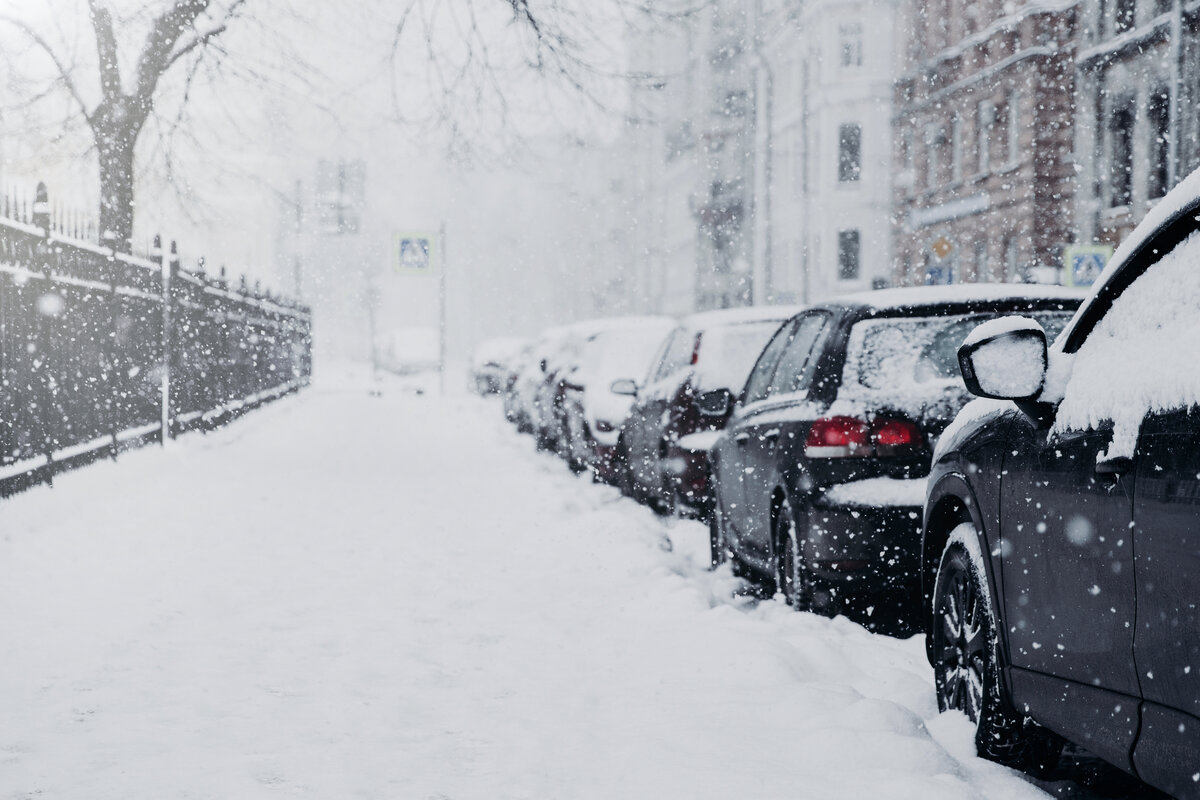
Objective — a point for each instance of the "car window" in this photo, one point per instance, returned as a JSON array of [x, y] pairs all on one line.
[[796, 367], [677, 355], [759, 382], [658, 370], [1141, 356]]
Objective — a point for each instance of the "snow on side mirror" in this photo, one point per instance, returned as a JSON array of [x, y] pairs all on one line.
[[716, 403], [624, 386], [1005, 359]]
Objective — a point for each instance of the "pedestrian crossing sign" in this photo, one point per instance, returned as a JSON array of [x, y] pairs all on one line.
[[412, 254]]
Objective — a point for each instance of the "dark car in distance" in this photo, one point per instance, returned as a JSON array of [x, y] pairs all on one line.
[[657, 446], [820, 472], [1061, 549]]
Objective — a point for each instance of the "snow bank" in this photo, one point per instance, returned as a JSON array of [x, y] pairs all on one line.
[[351, 608]]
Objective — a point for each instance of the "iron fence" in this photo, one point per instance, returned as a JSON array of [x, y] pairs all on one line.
[[100, 351]]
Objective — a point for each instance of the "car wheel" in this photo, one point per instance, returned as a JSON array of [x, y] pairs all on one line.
[[966, 669], [717, 552], [791, 578]]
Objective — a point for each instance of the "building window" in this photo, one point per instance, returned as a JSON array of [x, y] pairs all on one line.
[[1120, 154], [985, 118], [1012, 261], [1159, 114], [1014, 126], [1124, 15], [850, 44], [956, 149], [981, 261], [849, 251], [849, 153]]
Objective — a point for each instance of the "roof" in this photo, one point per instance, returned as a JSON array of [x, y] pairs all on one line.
[[907, 297], [737, 316]]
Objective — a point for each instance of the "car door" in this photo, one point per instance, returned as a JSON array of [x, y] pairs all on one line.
[[1166, 540], [771, 435], [1069, 584], [653, 401], [729, 467]]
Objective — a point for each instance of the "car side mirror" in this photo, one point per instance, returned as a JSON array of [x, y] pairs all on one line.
[[542, 365], [1005, 359], [624, 386], [716, 403]]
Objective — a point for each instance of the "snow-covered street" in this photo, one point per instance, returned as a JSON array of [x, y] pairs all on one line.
[[397, 597]]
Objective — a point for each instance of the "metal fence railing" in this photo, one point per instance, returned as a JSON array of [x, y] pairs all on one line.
[[100, 350]]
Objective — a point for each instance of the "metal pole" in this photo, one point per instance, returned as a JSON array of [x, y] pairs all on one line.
[[442, 313], [166, 344], [1173, 89]]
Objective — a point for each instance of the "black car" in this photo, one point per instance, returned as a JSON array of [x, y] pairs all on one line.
[[820, 473], [1061, 548]]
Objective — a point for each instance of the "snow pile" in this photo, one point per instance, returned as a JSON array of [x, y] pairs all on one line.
[[878, 492], [1142, 356], [329, 600]]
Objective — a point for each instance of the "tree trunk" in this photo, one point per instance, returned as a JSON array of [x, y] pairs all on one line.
[[115, 149]]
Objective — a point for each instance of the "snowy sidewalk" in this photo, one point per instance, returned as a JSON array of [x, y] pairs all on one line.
[[394, 597]]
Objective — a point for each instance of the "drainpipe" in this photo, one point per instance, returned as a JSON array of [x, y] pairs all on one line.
[[1173, 89]]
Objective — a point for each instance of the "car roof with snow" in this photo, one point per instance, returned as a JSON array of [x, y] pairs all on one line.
[[737, 316]]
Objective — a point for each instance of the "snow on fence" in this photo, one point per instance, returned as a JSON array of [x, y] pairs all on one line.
[[100, 351]]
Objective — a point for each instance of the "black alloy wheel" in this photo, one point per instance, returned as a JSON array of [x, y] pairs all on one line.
[[966, 668], [791, 577]]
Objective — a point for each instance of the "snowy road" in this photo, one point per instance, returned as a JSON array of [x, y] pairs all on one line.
[[393, 597]]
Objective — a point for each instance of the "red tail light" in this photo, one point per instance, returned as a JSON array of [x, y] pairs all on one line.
[[889, 433], [835, 437], [696, 349], [842, 437]]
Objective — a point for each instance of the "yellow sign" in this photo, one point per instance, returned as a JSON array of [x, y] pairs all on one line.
[[942, 247]]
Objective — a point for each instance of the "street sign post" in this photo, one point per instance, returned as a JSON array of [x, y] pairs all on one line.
[[1083, 263], [424, 254]]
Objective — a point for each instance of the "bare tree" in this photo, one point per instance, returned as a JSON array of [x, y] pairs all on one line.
[[116, 106]]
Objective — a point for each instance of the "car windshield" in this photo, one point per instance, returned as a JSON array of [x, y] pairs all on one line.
[[623, 352], [728, 353]]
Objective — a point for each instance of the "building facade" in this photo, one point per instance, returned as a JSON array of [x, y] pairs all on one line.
[[983, 138], [1137, 132], [824, 168]]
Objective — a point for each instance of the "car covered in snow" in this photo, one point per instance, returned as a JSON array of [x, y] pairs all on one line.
[[661, 445], [820, 473], [593, 412], [492, 364], [1061, 563]]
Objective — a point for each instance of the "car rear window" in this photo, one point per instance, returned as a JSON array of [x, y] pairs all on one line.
[[911, 363], [727, 353]]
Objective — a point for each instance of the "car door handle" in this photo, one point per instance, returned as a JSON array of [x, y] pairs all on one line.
[[771, 435], [741, 438]]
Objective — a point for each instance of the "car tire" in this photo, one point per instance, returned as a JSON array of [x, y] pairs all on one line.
[[966, 666], [791, 577]]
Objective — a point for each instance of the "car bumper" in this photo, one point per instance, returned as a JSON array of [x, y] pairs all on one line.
[[690, 478], [606, 463], [862, 555]]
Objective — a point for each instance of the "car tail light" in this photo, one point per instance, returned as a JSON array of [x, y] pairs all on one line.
[[843, 437], [837, 437], [696, 349], [888, 434]]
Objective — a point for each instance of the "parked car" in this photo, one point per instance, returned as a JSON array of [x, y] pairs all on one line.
[[594, 413], [711, 350], [820, 473], [1060, 557], [521, 399], [491, 364]]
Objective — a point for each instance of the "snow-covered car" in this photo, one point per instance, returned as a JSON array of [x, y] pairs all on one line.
[[656, 445], [521, 398], [492, 364], [820, 473], [593, 412], [1060, 557]]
